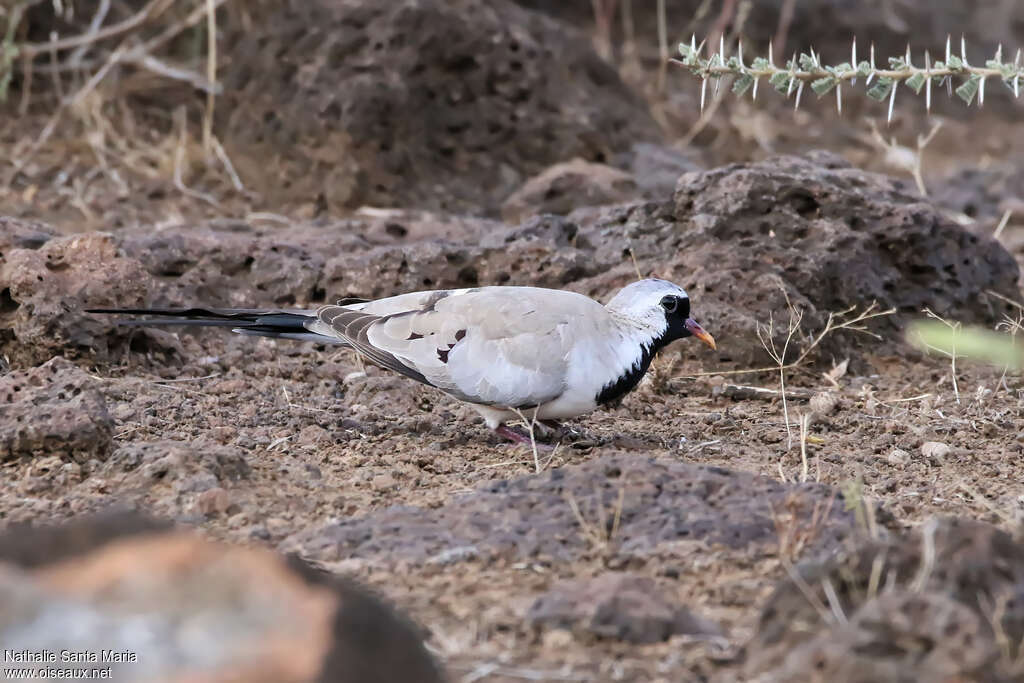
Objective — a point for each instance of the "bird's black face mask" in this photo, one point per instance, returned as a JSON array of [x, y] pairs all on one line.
[[680, 324]]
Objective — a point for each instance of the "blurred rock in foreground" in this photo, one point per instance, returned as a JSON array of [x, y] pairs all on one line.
[[178, 607]]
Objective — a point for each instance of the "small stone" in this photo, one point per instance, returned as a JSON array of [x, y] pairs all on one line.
[[898, 457], [934, 450], [228, 386], [277, 526], [223, 434], [312, 435], [383, 482], [565, 186], [213, 502], [557, 639], [824, 403], [122, 412]]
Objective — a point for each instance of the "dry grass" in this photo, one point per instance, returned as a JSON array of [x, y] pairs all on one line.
[[92, 104], [600, 536], [779, 351]]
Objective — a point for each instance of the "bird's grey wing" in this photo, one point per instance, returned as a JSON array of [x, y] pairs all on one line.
[[495, 345], [351, 326]]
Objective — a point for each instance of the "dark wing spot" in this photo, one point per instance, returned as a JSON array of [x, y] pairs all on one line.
[[443, 355], [459, 335], [349, 300], [413, 335]]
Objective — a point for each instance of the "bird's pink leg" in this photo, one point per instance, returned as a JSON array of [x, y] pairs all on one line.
[[520, 438]]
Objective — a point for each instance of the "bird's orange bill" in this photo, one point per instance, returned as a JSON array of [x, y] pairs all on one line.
[[700, 333]]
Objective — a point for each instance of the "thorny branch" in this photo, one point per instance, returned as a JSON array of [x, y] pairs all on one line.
[[822, 78]]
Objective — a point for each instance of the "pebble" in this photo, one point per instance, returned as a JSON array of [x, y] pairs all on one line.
[[383, 482], [898, 456], [213, 502], [557, 639], [824, 403], [934, 450]]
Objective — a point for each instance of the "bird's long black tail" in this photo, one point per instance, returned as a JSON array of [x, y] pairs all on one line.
[[283, 324]]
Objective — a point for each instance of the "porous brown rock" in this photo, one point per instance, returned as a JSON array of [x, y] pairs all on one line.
[[917, 606], [748, 241], [55, 409], [199, 609], [500, 92], [527, 518], [189, 468], [44, 290]]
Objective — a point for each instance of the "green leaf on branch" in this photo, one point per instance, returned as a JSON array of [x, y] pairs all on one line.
[[969, 89], [916, 82], [742, 84], [823, 85], [780, 81], [881, 89]]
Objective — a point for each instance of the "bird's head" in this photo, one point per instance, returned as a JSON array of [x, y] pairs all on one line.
[[662, 308]]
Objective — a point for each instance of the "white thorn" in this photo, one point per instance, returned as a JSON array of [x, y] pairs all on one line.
[[949, 86], [1017, 60], [799, 91], [721, 46], [948, 49], [981, 92], [853, 54], [1016, 86], [739, 55], [963, 50], [839, 98], [907, 58], [999, 53], [754, 95], [870, 77], [703, 92], [693, 44], [927, 81], [872, 56], [771, 53], [892, 100]]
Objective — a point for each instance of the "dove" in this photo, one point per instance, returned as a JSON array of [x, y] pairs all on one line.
[[508, 352]]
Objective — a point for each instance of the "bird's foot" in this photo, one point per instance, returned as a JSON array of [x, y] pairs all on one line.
[[553, 425], [518, 437]]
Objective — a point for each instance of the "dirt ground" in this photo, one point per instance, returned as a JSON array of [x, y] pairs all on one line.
[[695, 488]]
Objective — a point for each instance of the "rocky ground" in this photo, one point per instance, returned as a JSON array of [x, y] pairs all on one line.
[[690, 533]]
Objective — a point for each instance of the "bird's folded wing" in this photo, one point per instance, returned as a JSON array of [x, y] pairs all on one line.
[[351, 326], [486, 346]]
